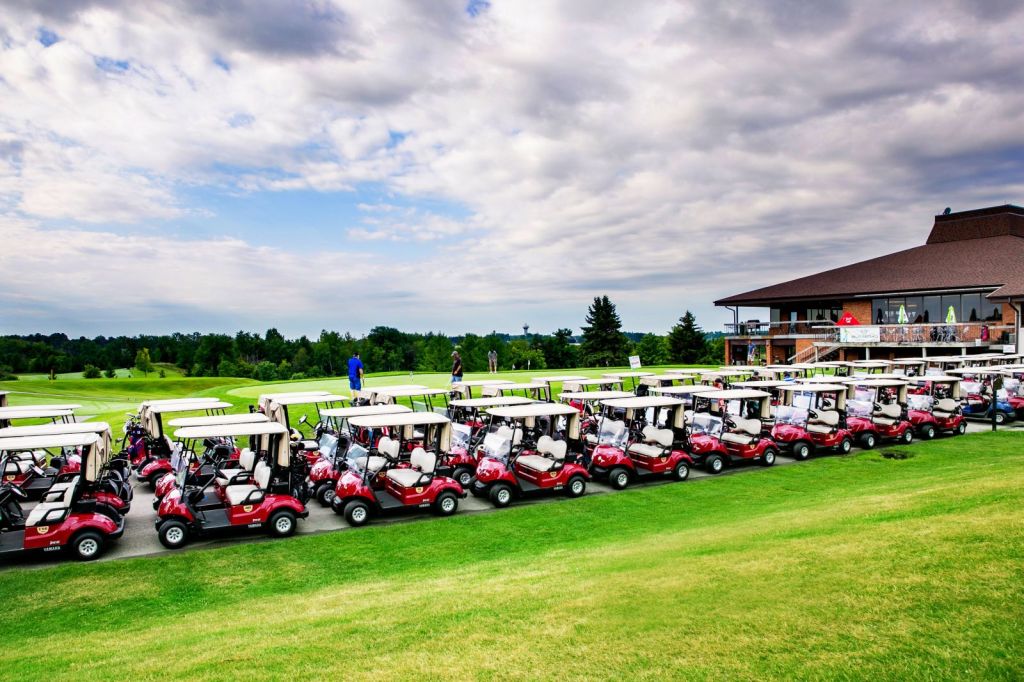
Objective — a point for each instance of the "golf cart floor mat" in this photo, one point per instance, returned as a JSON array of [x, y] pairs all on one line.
[[387, 500], [215, 518], [12, 541]]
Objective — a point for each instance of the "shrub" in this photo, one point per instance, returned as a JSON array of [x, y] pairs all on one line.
[[91, 372]]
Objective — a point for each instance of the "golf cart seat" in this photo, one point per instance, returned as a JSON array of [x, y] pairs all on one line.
[[745, 432], [656, 442], [36, 456], [37, 515], [239, 492], [387, 447], [515, 436], [551, 452], [422, 469], [825, 421], [887, 415], [944, 407], [57, 491], [16, 467], [245, 463]]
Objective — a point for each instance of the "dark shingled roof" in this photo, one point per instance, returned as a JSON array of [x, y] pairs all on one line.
[[980, 248]]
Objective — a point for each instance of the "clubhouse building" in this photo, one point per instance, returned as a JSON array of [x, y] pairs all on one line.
[[961, 292]]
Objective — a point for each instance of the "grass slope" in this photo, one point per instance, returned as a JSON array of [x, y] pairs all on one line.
[[847, 567]]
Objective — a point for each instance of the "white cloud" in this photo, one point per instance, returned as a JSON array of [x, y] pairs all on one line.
[[664, 153]]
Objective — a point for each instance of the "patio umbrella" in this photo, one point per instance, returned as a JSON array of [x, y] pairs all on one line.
[[950, 316], [902, 318]]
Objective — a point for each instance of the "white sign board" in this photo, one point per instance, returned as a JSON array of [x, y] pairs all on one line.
[[634, 362], [860, 334], [1009, 348]]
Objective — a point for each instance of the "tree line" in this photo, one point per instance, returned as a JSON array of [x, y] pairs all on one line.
[[271, 356]]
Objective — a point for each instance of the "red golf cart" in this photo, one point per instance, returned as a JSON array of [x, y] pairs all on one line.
[[269, 496], [745, 414], [66, 520], [149, 448], [933, 406], [531, 449], [812, 417], [335, 442], [654, 425], [877, 409], [400, 472], [469, 426]]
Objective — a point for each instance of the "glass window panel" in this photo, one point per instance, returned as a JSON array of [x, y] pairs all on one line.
[[894, 310], [971, 306], [992, 312], [915, 310], [950, 301], [881, 307], [933, 310]]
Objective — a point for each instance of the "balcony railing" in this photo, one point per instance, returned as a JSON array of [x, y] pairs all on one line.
[[888, 334], [774, 328]]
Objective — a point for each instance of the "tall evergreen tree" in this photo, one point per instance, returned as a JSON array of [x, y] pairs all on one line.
[[686, 341], [604, 344]]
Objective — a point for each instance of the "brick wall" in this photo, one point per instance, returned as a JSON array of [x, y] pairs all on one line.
[[861, 309]]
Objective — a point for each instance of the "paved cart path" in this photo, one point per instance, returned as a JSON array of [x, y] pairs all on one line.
[[140, 537]]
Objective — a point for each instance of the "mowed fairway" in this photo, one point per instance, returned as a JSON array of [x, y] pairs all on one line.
[[863, 567]]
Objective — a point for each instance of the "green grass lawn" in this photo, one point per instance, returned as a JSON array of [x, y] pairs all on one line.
[[857, 567]]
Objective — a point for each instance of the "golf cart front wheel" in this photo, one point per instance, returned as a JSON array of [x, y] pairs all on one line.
[[928, 432], [464, 477], [501, 495], [868, 441], [907, 437], [715, 464], [357, 513], [801, 451], [961, 428], [87, 546], [846, 446], [768, 458], [173, 534], [577, 486], [681, 472], [446, 504], [325, 494], [618, 478], [282, 524]]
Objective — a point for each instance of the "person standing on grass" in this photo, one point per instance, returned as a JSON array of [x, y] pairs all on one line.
[[492, 361], [355, 374], [456, 367]]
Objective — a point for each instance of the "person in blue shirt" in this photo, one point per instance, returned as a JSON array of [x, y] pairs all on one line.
[[355, 373]]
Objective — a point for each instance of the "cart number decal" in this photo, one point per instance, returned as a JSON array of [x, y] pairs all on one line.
[[247, 508], [10, 477], [42, 529], [419, 490], [552, 474]]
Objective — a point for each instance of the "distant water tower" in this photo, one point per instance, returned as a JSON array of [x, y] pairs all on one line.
[[526, 330]]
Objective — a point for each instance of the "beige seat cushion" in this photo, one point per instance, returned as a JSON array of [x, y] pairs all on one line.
[[883, 421], [407, 478], [892, 411], [422, 466], [551, 448], [819, 428], [826, 418], [740, 438], [373, 463], [536, 462], [237, 494], [63, 501], [946, 405], [647, 450]]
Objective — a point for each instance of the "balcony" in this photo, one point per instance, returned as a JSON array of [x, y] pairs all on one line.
[[827, 333], [797, 328]]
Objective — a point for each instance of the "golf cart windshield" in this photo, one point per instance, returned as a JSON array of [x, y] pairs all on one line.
[[787, 414], [461, 435], [328, 445], [859, 408], [971, 387], [705, 424], [613, 432], [357, 456], [864, 395], [496, 446], [1011, 386], [921, 403]]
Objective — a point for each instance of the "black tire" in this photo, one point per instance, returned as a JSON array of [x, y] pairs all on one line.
[[325, 493], [927, 432], [357, 513], [1000, 418], [846, 446], [714, 464], [961, 428], [618, 478], [464, 477], [501, 495], [282, 524], [446, 504], [576, 487], [908, 437], [87, 546], [801, 450], [173, 534], [768, 458], [681, 472], [868, 441], [154, 479]]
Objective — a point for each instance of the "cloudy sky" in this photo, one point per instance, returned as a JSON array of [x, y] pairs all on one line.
[[438, 165]]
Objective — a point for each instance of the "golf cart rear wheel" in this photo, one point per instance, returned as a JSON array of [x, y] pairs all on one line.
[[961, 429], [681, 472], [768, 458], [1000, 418], [282, 523], [464, 477], [173, 534], [907, 437], [868, 441], [618, 478], [715, 464], [87, 546], [501, 495], [577, 486], [446, 504], [928, 432], [325, 494], [357, 513], [801, 450], [154, 479], [846, 446]]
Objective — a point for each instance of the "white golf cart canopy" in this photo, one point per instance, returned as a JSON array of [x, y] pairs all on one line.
[[396, 387], [561, 378], [571, 386], [54, 406], [533, 410], [724, 372], [871, 381], [266, 428], [278, 396], [492, 401], [816, 387], [735, 394], [172, 401], [627, 375], [827, 379], [879, 375], [91, 465], [643, 402], [761, 383], [594, 396], [54, 429], [310, 399], [245, 418], [659, 379], [381, 421], [687, 371], [970, 371], [683, 390], [363, 411], [169, 408], [482, 382], [909, 362], [524, 386], [9, 413]]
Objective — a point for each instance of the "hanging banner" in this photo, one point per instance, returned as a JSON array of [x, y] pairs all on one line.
[[860, 334]]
